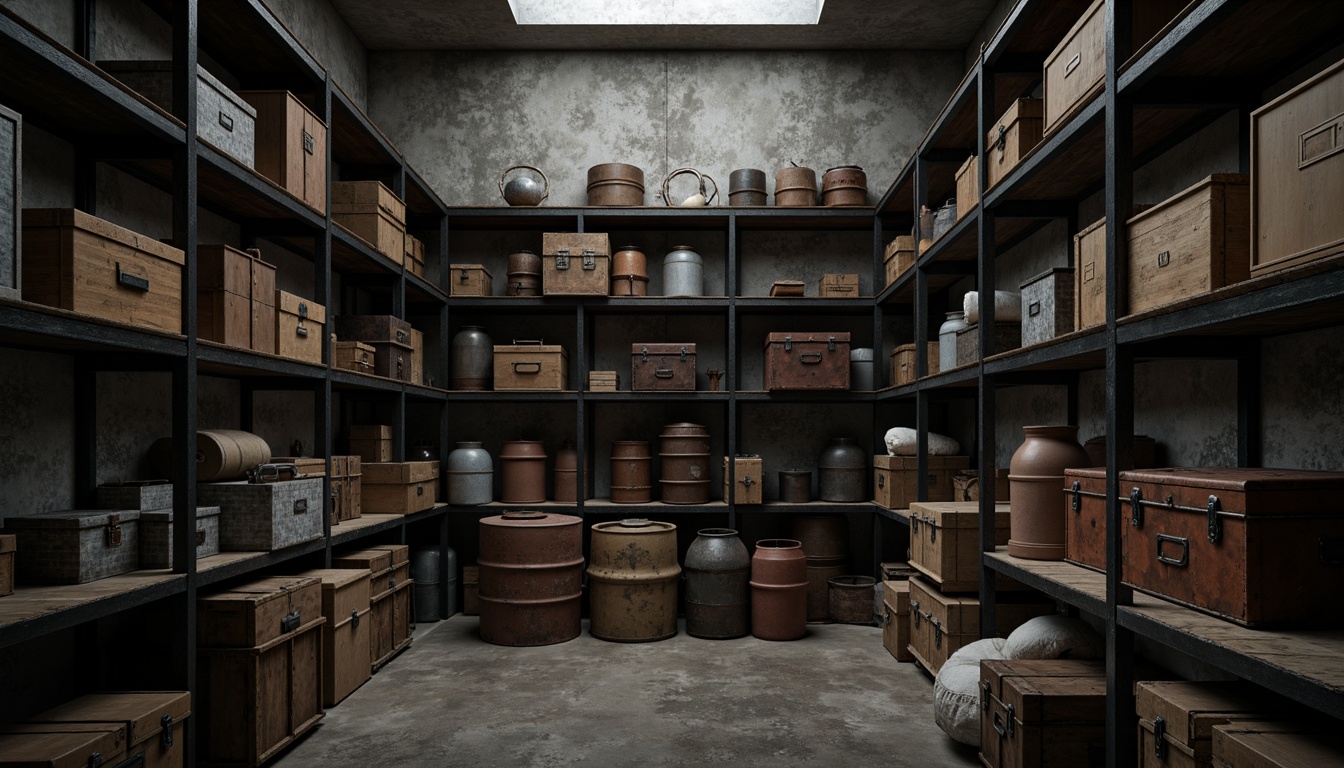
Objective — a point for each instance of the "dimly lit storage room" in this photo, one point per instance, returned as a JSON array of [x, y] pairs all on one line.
[[763, 383]]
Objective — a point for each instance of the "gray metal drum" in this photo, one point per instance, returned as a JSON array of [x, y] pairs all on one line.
[[861, 375], [683, 272], [843, 471], [718, 589], [425, 565], [746, 186], [471, 475]]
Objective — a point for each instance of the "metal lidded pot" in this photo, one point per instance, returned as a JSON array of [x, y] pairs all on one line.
[[524, 274], [471, 475], [522, 190], [616, 184], [795, 187], [843, 470], [746, 186], [683, 272], [473, 360], [844, 186]]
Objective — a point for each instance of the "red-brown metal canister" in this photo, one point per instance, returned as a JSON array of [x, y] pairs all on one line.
[[718, 577], [846, 185], [795, 187], [778, 590], [524, 274], [629, 272], [684, 453], [632, 581], [795, 486], [531, 577], [523, 472], [615, 184], [565, 485], [852, 599], [631, 472], [629, 285]]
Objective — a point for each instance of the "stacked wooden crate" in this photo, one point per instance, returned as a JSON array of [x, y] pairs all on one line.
[[390, 338], [373, 213], [346, 635], [390, 601]]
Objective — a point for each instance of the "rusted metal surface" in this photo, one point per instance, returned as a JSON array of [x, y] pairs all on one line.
[[531, 569], [565, 484], [472, 358], [523, 469], [718, 577], [631, 472], [629, 272], [746, 186], [632, 581], [851, 599], [615, 184], [684, 452], [778, 590], [843, 471], [795, 486], [822, 536], [524, 274], [795, 187], [846, 185]]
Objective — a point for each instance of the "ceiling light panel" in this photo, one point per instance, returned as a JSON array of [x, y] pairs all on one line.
[[666, 12]]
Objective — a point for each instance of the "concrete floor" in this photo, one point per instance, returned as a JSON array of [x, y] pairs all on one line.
[[834, 698]]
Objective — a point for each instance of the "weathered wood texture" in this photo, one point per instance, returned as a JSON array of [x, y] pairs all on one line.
[[265, 516], [352, 356], [838, 286], [371, 442], [797, 361], [1188, 713], [153, 721], [64, 745], [662, 367], [749, 476], [399, 488], [291, 146], [574, 264], [264, 325], [7, 542], [373, 213], [903, 362], [1085, 517], [470, 280], [1011, 139], [531, 367], [945, 541], [895, 479], [299, 324], [415, 256], [899, 257], [968, 186], [345, 636], [896, 618], [999, 742], [941, 624], [75, 546], [1271, 745]]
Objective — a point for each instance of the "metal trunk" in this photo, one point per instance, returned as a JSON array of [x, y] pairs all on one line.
[[531, 570], [633, 581], [718, 576]]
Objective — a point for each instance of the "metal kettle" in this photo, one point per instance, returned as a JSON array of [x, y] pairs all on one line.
[[523, 190], [699, 199]]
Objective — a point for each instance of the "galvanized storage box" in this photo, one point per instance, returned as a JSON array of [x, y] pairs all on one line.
[[261, 517], [75, 546], [531, 366], [156, 536], [291, 146], [223, 119], [399, 488], [574, 264], [373, 213], [144, 495], [1007, 337], [807, 361], [11, 203], [662, 367], [1047, 306]]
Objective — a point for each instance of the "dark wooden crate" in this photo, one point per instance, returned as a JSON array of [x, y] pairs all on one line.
[[662, 367]]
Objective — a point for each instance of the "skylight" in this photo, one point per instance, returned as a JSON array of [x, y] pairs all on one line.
[[669, 12]]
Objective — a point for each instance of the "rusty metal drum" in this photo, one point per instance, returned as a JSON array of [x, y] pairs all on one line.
[[718, 585], [631, 472], [795, 187], [523, 472], [531, 577], [746, 186], [845, 186], [824, 537], [843, 471], [524, 274], [778, 590], [795, 486], [852, 599], [615, 184], [565, 477], [684, 453], [632, 581]]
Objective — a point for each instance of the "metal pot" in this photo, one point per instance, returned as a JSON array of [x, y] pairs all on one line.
[[795, 486], [473, 357], [861, 372], [843, 469], [698, 200], [778, 590], [523, 468], [615, 184], [683, 272], [632, 581], [522, 190], [524, 274], [746, 186], [795, 187], [531, 578], [846, 185], [947, 340]]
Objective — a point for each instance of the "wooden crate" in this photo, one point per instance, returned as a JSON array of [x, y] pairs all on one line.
[[392, 361], [144, 495], [797, 361], [352, 356], [786, 289], [257, 612], [75, 546], [263, 307], [1007, 337], [373, 213], [1266, 562], [1276, 745], [1014, 137], [346, 488], [62, 744], [1297, 175], [531, 366], [153, 722], [966, 485], [417, 357], [968, 186], [1000, 682], [945, 542], [1179, 717], [903, 363], [940, 624], [1089, 276], [1192, 243], [899, 257], [399, 488], [838, 286], [371, 442], [11, 204], [1085, 517], [748, 475], [896, 618], [574, 264], [895, 479], [7, 544], [299, 325], [415, 256], [84, 264], [304, 466], [261, 517], [470, 280], [345, 636], [374, 329], [291, 146], [390, 607], [156, 536], [603, 381], [1047, 306], [662, 367], [224, 295]]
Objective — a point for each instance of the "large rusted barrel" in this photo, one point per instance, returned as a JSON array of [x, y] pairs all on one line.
[[684, 451], [531, 577], [523, 472], [631, 472], [778, 590], [615, 184], [718, 577], [632, 581], [852, 599], [825, 540]]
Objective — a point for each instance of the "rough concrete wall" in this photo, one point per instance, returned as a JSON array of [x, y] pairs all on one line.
[[36, 467], [987, 31], [56, 19], [462, 118], [331, 41], [129, 29], [793, 437], [1303, 411]]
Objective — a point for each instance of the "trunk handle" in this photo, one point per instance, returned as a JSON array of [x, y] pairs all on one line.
[[533, 368], [1180, 541]]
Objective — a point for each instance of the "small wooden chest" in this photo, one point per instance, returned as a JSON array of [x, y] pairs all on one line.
[[346, 488], [575, 264], [1024, 713], [1192, 243], [748, 476], [154, 722], [415, 256], [374, 329], [1007, 337], [399, 488], [371, 442], [899, 257], [224, 295], [144, 495], [62, 745], [1085, 517], [263, 306], [156, 536], [373, 213], [940, 624], [1177, 718], [84, 264], [895, 479], [662, 367], [903, 363], [11, 203], [259, 669], [291, 146], [345, 636], [76, 546], [531, 366], [896, 618], [7, 543], [1047, 306], [392, 361], [262, 517], [1276, 745], [352, 356], [1259, 547], [795, 361], [945, 542], [299, 326], [470, 280], [838, 286], [393, 604], [968, 186], [302, 466], [1014, 137]]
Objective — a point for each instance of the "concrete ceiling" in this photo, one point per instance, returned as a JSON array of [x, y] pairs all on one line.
[[488, 24]]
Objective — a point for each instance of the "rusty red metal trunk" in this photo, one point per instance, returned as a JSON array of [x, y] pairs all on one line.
[[531, 568]]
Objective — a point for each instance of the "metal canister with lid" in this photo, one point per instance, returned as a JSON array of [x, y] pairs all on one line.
[[524, 274], [683, 272]]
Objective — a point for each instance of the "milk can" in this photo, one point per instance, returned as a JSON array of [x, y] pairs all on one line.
[[473, 359], [683, 272], [471, 475], [947, 340]]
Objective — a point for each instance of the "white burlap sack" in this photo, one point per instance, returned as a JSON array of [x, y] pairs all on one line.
[[901, 442], [956, 690]]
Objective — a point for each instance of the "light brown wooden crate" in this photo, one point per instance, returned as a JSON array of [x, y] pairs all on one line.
[[291, 146]]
